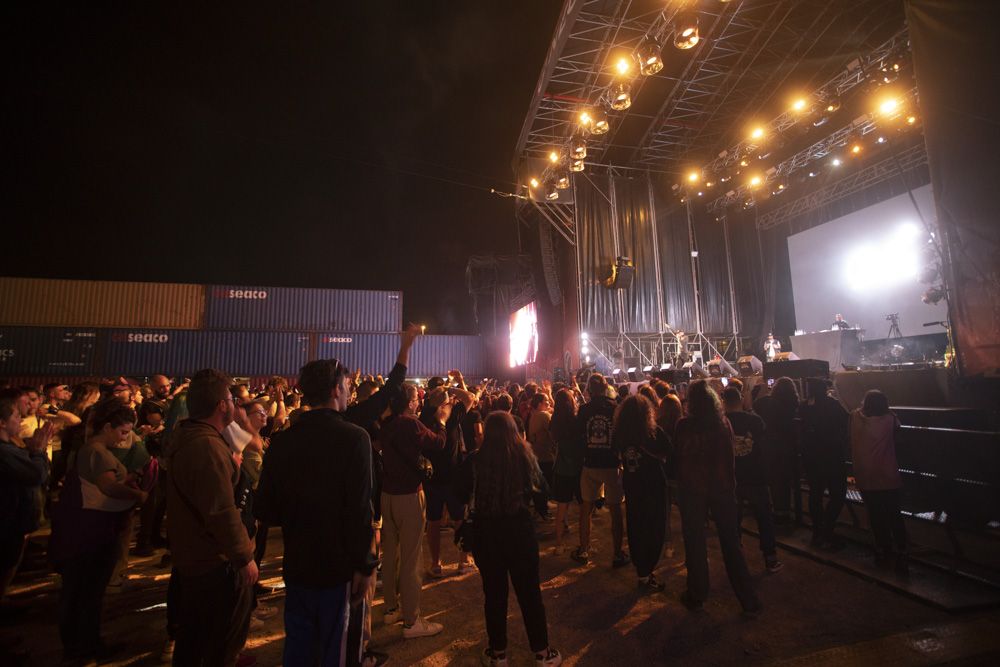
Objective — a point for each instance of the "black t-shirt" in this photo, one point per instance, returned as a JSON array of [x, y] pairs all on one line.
[[447, 460], [825, 438], [469, 423], [748, 447], [595, 421]]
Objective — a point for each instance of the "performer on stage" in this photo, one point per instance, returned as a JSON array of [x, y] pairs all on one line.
[[772, 346], [682, 347], [839, 323]]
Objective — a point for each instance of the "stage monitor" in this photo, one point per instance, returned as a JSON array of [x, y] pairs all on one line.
[[524, 336], [865, 266]]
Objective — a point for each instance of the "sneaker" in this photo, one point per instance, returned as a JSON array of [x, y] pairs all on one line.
[[264, 611], [491, 658], [421, 628], [774, 566], [690, 602], [466, 567], [621, 560], [435, 572], [650, 584], [392, 616], [374, 659], [580, 555], [167, 652], [548, 658]]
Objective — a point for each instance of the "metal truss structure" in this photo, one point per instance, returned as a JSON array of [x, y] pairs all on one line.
[[891, 167], [857, 129], [658, 349]]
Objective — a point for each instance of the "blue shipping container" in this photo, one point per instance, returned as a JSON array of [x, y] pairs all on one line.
[[431, 355], [144, 352], [436, 355], [371, 353], [302, 309], [47, 351]]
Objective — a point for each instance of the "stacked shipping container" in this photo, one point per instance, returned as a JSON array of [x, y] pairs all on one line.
[[58, 328]]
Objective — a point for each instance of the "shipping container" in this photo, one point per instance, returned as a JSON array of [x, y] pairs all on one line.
[[436, 355], [144, 352], [302, 309], [45, 351], [97, 303], [367, 352]]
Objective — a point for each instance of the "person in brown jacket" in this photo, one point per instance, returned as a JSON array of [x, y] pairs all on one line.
[[212, 554]]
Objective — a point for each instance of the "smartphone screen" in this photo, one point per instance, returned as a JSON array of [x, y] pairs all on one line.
[[770, 383]]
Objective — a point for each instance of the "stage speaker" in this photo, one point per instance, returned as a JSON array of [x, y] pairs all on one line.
[[749, 365], [786, 356], [695, 369], [718, 368], [797, 369]]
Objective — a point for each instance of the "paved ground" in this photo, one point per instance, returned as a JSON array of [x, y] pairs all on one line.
[[814, 614]]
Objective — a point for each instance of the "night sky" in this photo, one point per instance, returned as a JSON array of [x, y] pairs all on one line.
[[265, 145]]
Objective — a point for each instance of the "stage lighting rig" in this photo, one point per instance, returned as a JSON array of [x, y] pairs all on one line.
[[621, 96], [576, 166], [578, 148], [648, 55], [686, 30]]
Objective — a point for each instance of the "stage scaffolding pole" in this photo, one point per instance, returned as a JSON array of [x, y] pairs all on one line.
[[732, 285], [656, 263], [618, 250]]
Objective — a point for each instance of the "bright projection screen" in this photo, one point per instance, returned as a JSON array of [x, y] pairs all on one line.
[[524, 336], [865, 266]]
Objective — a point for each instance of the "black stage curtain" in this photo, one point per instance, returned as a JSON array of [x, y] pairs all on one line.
[[596, 251], [713, 275], [956, 55], [748, 276], [675, 261], [635, 239]]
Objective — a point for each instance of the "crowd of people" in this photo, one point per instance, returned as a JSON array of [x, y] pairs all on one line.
[[358, 471]]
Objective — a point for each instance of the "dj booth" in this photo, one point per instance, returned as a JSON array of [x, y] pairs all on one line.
[[836, 347]]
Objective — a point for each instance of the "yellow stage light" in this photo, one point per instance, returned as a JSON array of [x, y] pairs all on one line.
[[757, 133], [799, 105], [911, 120], [621, 96], [755, 181], [889, 106], [693, 177], [856, 149], [650, 61], [553, 156], [622, 66], [533, 182]]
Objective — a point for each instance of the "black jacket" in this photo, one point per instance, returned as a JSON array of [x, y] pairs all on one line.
[[316, 484]]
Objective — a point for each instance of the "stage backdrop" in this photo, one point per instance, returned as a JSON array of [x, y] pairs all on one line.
[[865, 265], [955, 54]]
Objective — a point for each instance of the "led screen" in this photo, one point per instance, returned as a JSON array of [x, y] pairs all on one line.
[[524, 336], [864, 265]]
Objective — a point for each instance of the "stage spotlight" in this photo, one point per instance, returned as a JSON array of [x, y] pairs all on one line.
[[686, 30], [533, 182], [932, 296], [598, 121], [584, 336], [889, 106], [551, 192], [648, 54], [621, 96], [578, 148], [622, 66], [757, 133], [647, 369], [890, 71], [779, 186], [800, 105], [562, 179], [664, 367], [576, 165], [553, 157], [633, 376], [833, 105], [756, 181], [748, 202], [725, 177], [616, 374], [709, 184], [856, 148], [880, 140], [911, 120], [744, 162], [813, 173], [693, 177], [836, 162]]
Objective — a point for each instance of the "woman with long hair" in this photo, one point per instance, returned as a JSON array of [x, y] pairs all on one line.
[[92, 510], [876, 472], [706, 477], [84, 395], [569, 460], [498, 481], [644, 449], [667, 415]]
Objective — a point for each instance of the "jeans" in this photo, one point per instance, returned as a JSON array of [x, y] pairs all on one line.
[[316, 625], [507, 547], [81, 598], [694, 507], [213, 617], [821, 479], [759, 498], [886, 521]]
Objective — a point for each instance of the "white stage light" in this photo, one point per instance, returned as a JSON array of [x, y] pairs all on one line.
[[892, 260]]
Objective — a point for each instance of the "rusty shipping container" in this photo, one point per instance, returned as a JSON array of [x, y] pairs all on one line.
[[143, 352], [97, 303], [47, 351], [302, 309]]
